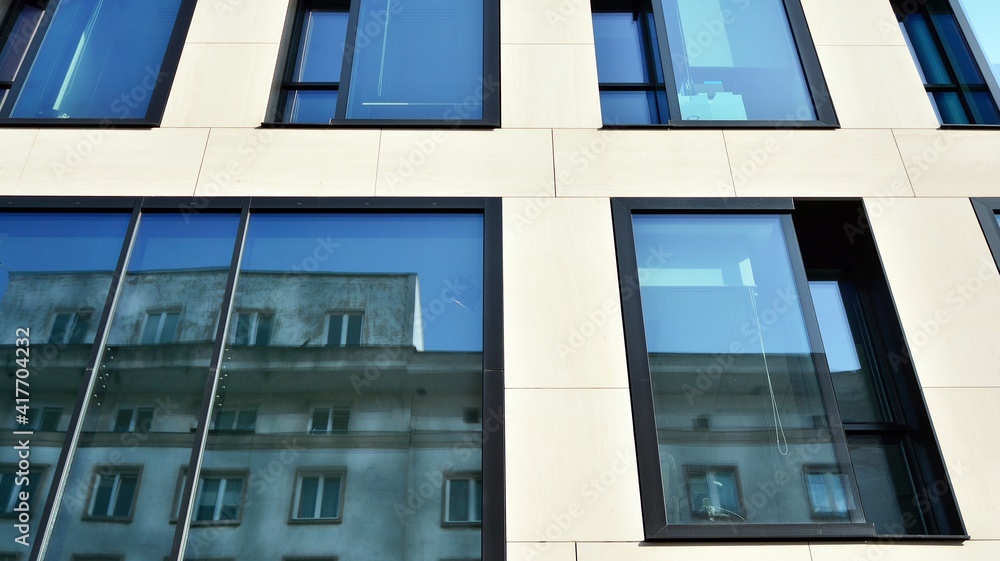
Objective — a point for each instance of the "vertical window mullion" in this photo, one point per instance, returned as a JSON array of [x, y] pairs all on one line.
[[116, 482], [187, 503], [344, 88], [669, 80], [317, 507]]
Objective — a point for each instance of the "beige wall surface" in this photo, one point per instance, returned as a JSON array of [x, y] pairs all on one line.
[[569, 417]]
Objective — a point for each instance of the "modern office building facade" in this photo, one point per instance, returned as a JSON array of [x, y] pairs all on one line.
[[566, 280]]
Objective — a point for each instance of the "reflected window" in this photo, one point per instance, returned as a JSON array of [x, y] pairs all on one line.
[[71, 328], [113, 492], [464, 499], [828, 495], [160, 328], [238, 420], [723, 61], [17, 489], [73, 59], [767, 343], [45, 418], [344, 329], [956, 76], [251, 328], [219, 499], [330, 419], [408, 60], [134, 419], [318, 496]]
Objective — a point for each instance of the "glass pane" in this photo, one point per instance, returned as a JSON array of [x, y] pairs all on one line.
[[21, 34], [418, 59], [632, 108], [885, 485], [925, 49], [178, 262], [958, 51], [335, 333], [731, 365], [316, 107], [208, 497], [984, 110], [984, 17], [231, 499], [102, 497], [263, 330], [126, 490], [736, 60], [331, 496], [123, 422], [949, 108], [307, 497], [998, 219], [321, 48], [621, 56], [49, 264], [418, 280], [458, 500], [353, 330], [98, 60], [854, 378]]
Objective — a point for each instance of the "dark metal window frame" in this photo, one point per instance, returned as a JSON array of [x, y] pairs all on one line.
[[157, 98], [286, 73], [945, 517], [826, 116], [905, 8], [987, 210], [493, 443]]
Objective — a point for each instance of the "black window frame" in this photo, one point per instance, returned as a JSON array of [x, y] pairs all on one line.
[[493, 443], [923, 451], [826, 115], [987, 210], [990, 85], [286, 70], [158, 97]]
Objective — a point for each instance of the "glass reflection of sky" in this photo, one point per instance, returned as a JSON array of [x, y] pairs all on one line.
[[444, 250], [59, 242], [168, 242]]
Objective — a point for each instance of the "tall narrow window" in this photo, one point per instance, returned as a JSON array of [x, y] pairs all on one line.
[[74, 59], [113, 493], [948, 67], [684, 62], [219, 499], [464, 500], [413, 60], [318, 497]]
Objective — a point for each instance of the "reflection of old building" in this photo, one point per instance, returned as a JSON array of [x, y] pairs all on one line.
[[334, 432]]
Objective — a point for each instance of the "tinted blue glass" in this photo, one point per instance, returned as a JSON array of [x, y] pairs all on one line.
[[948, 106], [98, 59], [728, 348], [620, 53], [628, 108], [984, 17], [983, 108], [924, 48], [305, 106], [418, 59], [962, 62], [998, 219], [14, 49], [55, 272], [321, 49], [736, 60]]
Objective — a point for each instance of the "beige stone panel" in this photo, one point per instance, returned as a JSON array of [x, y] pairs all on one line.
[[852, 22], [951, 163], [569, 333], [549, 86], [113, 162], [546, 22], [289, 162], [888, 551], [502, 162], [221, 85], [945, 285], [624, 163], [965, 421], [541, 552], [876, 87], [849, 163], [571, 472], [15, 144], [238, 21], [691, 552]]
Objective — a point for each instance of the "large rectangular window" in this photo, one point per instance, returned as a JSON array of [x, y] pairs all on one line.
[[404, 60], [956, 56], [709, 62], [87, 60], [269, 431], [763, 397]]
